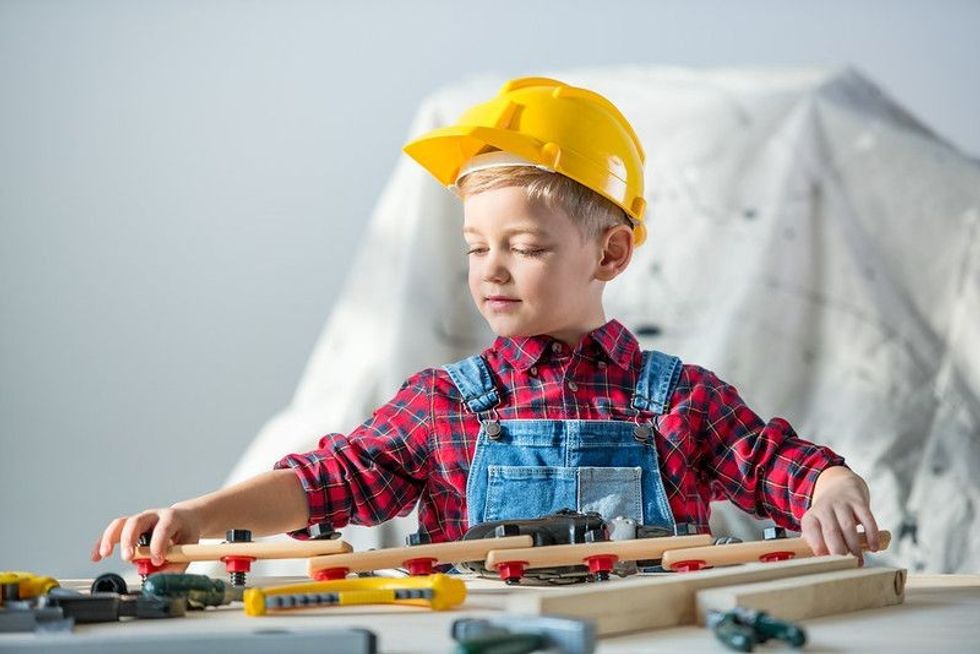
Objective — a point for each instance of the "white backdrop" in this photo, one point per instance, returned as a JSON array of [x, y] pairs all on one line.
[[810, 241]]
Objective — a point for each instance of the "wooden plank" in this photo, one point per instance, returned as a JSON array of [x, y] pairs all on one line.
[[639, 549], [258, 550], [393, 557], [751, 551], [812, 596], [668, 600]]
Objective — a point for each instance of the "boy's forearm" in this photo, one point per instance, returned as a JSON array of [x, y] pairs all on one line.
[[270, 503]]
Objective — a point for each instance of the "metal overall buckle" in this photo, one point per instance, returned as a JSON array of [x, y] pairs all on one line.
[[641, 432], [492, 426]]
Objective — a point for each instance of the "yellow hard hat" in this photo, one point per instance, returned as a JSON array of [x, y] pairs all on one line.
[[562, 128]]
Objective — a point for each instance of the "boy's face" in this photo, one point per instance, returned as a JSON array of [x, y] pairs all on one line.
[[537, 259]]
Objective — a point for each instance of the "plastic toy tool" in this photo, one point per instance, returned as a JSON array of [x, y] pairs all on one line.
[[518, 634], [200, 591], [438, 592], [741, 629]]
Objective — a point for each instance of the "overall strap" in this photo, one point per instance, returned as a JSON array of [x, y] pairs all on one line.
[[656, 383], [472, 378]]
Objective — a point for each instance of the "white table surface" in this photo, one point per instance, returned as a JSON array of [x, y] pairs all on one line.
[[941, 613]]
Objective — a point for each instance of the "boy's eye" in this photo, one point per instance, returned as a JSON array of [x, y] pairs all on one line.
[[528, 252], [533, 252]]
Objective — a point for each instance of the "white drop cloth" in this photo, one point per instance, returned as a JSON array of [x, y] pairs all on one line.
[[810, 242]]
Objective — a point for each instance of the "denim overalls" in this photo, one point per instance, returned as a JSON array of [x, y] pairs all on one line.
[[531, 468]]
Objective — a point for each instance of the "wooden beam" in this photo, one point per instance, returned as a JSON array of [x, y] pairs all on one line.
[[394, 557], [576, 554], [258, 550], [667, 600], [750, 551], [812, 596]]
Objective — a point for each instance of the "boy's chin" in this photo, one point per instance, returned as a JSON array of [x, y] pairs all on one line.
[[510, 330]]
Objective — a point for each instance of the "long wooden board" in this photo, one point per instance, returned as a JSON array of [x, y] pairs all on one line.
[[668, 600], [260, 550], [624, 550], [751, 551], [812, 596], [455, 552]]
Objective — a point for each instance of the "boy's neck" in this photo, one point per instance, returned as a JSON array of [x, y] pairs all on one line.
[[572, 336]]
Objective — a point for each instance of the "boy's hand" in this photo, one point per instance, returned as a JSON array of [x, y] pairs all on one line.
[[170, 526], [840, 503]]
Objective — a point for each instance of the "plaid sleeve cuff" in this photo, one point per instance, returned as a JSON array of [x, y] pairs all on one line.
[[810, 461], [306, 468]]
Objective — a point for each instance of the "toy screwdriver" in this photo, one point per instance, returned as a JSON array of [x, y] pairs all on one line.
[[741, 629], [200, 591], [28, 585], [436, 591]]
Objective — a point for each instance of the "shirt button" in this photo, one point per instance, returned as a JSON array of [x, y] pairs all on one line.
[[572, 386], [556, 347], [534, 371], [602, 365]]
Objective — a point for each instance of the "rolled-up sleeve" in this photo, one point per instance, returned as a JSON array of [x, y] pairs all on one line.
[[378, 470], [763, 467]]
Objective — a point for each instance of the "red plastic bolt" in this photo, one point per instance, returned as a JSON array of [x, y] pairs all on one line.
[[330, 574], [511, 571], [238, 563], [601, 564], [776, 556], [689, 566], [418, 567], [145, 567]]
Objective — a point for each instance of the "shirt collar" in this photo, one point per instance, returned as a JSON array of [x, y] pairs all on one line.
[[611, 341]]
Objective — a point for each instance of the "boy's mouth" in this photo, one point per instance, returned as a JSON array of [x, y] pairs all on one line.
[[502, 302]]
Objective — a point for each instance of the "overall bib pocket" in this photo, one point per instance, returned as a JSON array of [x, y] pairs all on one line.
[[528, 491], [611, 491]]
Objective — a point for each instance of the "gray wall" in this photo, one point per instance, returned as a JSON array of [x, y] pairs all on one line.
[[183, 184]]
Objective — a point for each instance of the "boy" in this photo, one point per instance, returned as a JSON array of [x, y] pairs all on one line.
[[564, 410]]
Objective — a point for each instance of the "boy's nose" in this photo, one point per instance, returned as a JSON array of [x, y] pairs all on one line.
[[495, 270]]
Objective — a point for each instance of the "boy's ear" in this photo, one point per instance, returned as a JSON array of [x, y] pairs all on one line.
[[617, 250]]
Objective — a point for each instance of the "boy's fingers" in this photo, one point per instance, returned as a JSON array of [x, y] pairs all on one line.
[[161, 539], [832, 536], [812, 534], [131, 531], [870, 527], [110, 537], [848, 529]]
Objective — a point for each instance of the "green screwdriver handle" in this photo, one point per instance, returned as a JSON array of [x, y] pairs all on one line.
[[200, 590], [732, 633]]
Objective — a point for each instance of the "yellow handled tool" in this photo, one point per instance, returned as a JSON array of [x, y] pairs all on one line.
[[437, 591], [29, 584]]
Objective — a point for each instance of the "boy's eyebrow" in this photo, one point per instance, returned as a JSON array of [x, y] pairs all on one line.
[[513, 230]]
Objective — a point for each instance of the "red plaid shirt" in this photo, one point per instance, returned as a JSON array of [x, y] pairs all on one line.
[[419, 445]]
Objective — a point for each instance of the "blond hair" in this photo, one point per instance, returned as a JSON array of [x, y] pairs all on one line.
[[590, 212]]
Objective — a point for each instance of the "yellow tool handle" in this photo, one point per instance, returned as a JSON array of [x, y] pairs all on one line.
[[445, 592], [29, 584], [351, 597]]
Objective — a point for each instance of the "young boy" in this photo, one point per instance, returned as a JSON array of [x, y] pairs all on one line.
[[564, 410]]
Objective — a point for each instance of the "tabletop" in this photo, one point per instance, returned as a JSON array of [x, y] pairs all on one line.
[[940, 613]]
